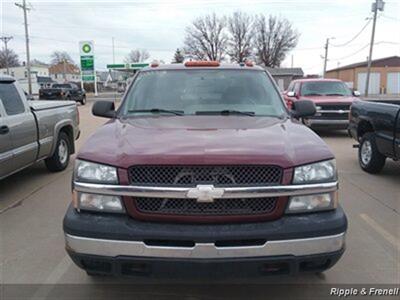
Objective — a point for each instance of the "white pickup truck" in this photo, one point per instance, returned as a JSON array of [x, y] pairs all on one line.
[[31, 131]]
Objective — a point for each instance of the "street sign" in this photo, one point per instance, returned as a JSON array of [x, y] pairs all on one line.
[[86, 51]]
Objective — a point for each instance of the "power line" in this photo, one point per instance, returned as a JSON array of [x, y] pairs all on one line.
[[361, 49], [355, 37]]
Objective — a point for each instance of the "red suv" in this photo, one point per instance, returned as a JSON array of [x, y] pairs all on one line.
[[332, 98]]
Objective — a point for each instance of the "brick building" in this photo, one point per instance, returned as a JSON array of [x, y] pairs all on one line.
[[384, 79]]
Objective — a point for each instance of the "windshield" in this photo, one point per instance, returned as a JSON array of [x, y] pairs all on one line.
[[58, 86], [325, 88], [192, 92]]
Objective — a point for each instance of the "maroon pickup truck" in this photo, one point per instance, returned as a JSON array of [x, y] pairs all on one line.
[[204, 171], [332, 98]]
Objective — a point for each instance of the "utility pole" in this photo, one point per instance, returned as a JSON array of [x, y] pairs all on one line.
[[28, 58], [6, 39], [326, 55], [113, 51], [292, 61], [64, 70], [378, 5]]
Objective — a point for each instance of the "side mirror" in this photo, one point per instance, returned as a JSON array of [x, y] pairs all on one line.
[[303, 109], [356, 94], [105, 109], [291, 94]]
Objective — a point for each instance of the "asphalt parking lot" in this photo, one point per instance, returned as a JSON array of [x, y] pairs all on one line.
[[33, 203]]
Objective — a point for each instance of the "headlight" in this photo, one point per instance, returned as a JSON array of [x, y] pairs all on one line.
[[318, 172], [310, 203], [92, 172], [94, 202]]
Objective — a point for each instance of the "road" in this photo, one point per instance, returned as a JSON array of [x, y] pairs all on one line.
[[33, 202]]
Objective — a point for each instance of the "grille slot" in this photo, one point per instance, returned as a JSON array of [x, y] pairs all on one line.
[[220, 207], [334, 106], [216, 175]]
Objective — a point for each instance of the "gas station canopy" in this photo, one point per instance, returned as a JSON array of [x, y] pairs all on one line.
[[127, 67]]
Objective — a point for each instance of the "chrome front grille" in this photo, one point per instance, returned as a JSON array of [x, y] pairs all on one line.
[[176, 175]]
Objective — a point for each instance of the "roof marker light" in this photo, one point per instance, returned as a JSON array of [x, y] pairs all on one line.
[[211, 63], [249, 63], [154, 64]]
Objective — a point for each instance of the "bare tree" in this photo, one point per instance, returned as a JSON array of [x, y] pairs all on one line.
[[178, 57], [9, 58], [206, 38], [274, 38], [137, 55], [58, 57], [240, 27]]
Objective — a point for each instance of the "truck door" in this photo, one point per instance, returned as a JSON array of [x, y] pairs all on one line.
[[397, 137], [21, 125], [6, 154]]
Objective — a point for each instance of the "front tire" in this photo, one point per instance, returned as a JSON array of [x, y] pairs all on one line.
[[83, 101], [369, 157], [60, 159]]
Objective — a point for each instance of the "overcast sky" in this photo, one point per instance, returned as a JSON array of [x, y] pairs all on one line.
[[159, 26]]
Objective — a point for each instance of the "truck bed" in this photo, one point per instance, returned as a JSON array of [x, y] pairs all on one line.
[[38, 105], [393, 102]]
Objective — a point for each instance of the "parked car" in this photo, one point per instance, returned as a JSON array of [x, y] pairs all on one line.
[[63, 91], [332, 98], [31, 131], [203, 170], [376, 126]]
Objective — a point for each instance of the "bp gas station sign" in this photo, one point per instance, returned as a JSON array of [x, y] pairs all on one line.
[[87, 61]]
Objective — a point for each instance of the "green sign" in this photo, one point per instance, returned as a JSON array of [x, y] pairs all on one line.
[[87, 61]]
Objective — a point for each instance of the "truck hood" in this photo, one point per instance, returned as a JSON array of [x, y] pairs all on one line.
[[204, 140], [330, 99]]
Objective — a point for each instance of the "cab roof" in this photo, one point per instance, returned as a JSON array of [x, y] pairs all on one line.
[[6, 78], [222, 66], [317, 79]]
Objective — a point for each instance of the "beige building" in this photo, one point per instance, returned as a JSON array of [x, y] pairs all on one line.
[[65, 72], [384, 78], [39, 76]]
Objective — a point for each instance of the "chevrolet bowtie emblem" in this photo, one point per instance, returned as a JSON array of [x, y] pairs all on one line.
[[205, 193]]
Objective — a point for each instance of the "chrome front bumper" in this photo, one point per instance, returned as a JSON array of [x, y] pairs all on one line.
[[326, 122], [114, 248], [227, 192]]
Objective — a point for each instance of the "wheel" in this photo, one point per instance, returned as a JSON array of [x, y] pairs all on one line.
[[83, 101], [60, 159], [369, 157]]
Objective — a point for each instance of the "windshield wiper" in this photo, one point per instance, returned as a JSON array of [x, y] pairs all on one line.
[[226, 112], [334, 94], [157, 111]]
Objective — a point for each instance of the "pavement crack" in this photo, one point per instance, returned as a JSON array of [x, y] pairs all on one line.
[[372, 196], [20, 201]]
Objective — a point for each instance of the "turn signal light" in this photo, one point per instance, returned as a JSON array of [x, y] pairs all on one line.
[[211, 63]]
